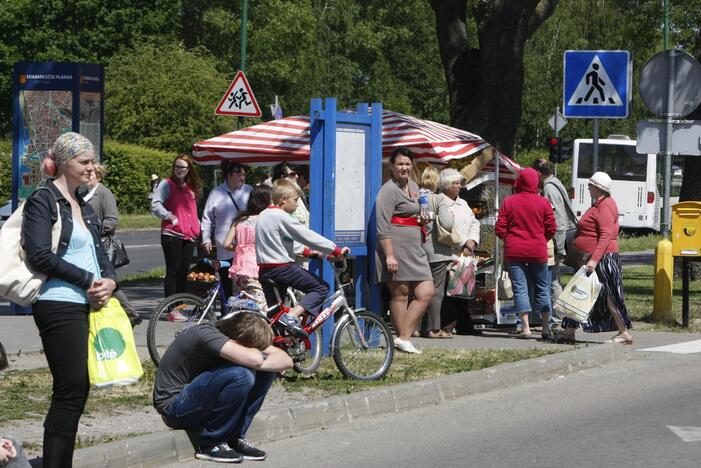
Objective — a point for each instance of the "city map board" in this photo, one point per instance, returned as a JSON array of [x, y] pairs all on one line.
[[47, 96]]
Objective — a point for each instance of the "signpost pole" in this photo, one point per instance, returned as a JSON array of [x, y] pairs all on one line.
[[557, 130], [595, 147], [244, 44], [667, 218]]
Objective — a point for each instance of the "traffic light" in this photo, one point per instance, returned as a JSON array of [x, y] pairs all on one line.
[[560, 149], [554, 145], [565, 149]]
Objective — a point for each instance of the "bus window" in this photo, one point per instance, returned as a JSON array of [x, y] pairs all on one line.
[[677, 174], [620, 162]]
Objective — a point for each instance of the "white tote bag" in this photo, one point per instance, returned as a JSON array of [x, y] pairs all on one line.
[[18, 283], [579, 296]]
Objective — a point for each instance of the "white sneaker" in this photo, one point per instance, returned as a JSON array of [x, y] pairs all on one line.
[[405, 346]]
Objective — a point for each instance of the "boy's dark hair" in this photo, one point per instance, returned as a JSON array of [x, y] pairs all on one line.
[[247, 329], [543, 166], [280, 171], [3, 358]]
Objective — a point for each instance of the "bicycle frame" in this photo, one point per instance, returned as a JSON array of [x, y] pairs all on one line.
[[335, 302]]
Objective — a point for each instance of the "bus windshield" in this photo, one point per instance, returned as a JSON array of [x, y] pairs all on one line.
[[620, 162]]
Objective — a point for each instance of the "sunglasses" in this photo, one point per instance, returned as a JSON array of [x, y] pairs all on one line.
[[291, 174]]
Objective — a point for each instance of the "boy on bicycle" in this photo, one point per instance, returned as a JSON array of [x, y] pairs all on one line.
[[279, 238], [196, 388]]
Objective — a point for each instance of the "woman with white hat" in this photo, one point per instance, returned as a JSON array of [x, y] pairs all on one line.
[[597, 234]]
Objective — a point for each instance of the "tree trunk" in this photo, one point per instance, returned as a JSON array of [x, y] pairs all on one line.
[[485, 80]]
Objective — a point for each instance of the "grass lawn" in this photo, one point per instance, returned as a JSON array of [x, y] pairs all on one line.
[[639, 292], [635, 243], [139, 221], [26, 393]]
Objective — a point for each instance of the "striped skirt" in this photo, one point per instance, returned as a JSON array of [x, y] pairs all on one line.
[[600, 320]]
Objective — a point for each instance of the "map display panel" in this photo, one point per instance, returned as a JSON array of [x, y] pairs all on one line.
[[44, 116]]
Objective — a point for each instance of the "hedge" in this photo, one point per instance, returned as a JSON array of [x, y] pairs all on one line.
[[129, 169], [5, 170]]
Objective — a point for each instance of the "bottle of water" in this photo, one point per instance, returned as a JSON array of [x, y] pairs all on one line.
[[423, 202]]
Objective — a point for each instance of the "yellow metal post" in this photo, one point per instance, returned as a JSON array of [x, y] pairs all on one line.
[[664, 274]]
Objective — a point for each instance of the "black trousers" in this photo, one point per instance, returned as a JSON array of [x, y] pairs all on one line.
[[178, 256], [63, 327]]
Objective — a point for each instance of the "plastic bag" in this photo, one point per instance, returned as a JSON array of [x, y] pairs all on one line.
[[506, 290], [112, 356], [461, 277], [579, 296]]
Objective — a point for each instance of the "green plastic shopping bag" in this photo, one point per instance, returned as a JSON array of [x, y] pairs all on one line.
[[112, 356]]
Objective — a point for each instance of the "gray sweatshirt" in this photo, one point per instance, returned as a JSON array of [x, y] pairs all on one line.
[[277, 233]]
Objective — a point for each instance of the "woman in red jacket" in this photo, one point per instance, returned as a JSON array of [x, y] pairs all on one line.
[[597, 234], [526, 221]]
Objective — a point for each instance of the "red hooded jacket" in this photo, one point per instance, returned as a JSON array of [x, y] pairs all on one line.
[[526, 221]]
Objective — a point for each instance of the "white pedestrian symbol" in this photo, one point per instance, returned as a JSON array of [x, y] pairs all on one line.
[[595, 88]]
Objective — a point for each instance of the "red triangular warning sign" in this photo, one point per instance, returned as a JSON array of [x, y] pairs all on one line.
[[239, 99]]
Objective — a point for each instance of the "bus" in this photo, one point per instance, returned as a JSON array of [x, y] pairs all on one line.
[[637, 181]]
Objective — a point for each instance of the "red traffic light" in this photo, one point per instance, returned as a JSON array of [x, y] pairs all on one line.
[[554, 141]]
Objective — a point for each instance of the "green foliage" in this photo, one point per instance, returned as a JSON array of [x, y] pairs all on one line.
[[5, 171], [129, 169], [164, 97]]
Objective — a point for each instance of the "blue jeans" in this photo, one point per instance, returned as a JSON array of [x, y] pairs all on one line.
[[222, 402], [536, 274]]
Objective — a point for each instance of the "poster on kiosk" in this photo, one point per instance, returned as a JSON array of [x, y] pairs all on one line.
[[48, 99]]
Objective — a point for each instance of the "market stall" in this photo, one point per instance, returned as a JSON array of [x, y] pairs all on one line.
[[490, 177]]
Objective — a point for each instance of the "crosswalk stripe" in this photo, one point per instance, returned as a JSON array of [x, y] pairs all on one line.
[[688, 347], [687, 433]]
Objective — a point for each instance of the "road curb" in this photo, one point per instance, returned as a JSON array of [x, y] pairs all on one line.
[[172, 446]]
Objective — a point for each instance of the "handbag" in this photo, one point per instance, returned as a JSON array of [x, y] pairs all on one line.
[[450, 238], [506, 290], [116, 252], [576, 258], [579, 296], [18, 282], [112, 356]]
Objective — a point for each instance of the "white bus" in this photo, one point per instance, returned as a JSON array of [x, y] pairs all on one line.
[[637, 181]]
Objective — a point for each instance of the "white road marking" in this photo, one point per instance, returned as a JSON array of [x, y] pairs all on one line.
[[687, 433], [688, 347], [142, 246]]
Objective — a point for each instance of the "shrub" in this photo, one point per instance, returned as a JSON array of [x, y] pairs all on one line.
[[5, 170], [129, 169]]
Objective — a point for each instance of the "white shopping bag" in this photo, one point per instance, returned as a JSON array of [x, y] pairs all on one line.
[[580, 294]]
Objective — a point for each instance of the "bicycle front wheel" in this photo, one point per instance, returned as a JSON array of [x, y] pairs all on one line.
[[312, 357], [172, 316], [355, 360]]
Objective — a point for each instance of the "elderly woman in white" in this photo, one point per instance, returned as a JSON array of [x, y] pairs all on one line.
[[467, 226]]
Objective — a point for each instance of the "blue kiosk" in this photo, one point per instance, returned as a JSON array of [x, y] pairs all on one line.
[[346, 174]]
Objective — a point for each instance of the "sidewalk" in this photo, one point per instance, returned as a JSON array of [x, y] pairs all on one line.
[[284, 415]]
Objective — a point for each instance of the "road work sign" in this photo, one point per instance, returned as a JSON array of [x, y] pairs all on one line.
[[239, 99], [597, 84]]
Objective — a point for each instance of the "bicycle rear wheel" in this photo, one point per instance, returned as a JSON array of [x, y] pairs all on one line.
[[172, 316], [356, 361]]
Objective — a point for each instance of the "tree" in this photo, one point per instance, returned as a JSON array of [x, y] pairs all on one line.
[[485, 73], [164, 97]]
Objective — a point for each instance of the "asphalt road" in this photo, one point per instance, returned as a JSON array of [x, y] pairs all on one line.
[[144, 250], [640, 413]]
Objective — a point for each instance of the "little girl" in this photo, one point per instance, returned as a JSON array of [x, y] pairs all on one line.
[[242, 240]]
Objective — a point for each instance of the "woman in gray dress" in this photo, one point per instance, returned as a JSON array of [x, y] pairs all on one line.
[[400, 260]]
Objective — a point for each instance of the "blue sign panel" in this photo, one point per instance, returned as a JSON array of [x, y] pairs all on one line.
[[596, 84]]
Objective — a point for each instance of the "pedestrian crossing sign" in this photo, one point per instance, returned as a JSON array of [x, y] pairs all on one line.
[[597, 84]]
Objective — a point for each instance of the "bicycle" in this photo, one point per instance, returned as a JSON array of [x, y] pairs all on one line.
[[361, 342], [191, 310]]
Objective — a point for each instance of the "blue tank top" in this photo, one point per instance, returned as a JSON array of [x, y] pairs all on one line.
[[81, 253]]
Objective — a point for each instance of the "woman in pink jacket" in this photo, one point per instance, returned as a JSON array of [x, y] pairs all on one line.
[[597, 234], [526, 222]]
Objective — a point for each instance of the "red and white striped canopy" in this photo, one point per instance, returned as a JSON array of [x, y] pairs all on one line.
[[287, 140]]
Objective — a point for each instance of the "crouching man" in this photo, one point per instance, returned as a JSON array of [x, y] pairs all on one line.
[[214, 378]]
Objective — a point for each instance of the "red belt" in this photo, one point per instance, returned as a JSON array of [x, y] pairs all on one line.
[[410, 221]]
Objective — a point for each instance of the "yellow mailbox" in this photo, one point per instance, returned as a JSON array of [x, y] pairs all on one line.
[[686, 229]]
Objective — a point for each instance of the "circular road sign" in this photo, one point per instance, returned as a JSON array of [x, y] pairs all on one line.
[[684, 78]]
